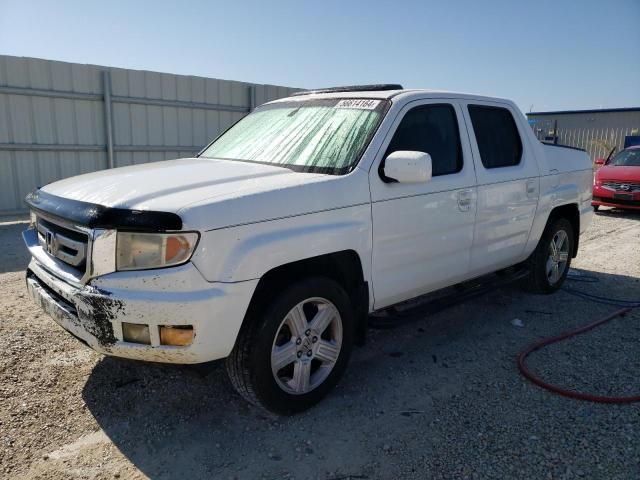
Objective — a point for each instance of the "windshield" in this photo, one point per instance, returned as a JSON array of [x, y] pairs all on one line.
[[323, 136], [627, 158]]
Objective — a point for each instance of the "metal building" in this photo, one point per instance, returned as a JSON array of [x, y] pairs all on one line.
[[596, 131], [61, 119]]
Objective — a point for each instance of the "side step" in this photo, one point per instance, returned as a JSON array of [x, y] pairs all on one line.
[[431, 303]]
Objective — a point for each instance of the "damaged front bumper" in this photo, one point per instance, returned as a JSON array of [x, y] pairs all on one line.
[[176, 296]]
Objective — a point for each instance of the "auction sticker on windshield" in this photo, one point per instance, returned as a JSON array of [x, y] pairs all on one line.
[[362, 103]]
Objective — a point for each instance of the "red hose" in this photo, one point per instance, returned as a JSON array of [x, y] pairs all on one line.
[[569, 393]]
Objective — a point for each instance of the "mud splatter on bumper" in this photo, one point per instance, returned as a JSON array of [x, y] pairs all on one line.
[[89, 320], [180, 296]]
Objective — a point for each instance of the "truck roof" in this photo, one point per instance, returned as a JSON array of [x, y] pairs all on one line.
[[385, 93]]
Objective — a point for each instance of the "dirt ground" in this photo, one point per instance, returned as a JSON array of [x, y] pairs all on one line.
[[437, 398]]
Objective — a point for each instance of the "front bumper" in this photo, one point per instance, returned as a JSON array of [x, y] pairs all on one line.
[[609, 198], [173, 296]]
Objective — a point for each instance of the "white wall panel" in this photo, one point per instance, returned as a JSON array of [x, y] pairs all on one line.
[[61, 105], [65, 121], [5, 127], [8, 194], [155, 127]]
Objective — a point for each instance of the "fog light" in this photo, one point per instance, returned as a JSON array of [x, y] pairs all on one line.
[[136, 333], [176, 335]]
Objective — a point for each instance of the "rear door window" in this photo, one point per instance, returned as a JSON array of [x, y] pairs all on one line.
[[497, 136]]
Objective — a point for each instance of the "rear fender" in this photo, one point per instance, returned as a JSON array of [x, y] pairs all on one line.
[[561, 190]]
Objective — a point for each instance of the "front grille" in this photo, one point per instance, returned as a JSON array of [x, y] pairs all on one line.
[[63, 242], [628, 187]]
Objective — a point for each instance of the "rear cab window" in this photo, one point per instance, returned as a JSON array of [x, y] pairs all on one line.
[[497, 137]]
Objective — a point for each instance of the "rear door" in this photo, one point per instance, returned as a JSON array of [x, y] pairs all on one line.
[[508, 185], [423, 232]]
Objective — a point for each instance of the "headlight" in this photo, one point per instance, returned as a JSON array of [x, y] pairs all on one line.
[[139, 251]]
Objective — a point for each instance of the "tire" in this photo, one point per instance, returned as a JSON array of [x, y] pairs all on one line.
[[283, 331], [542, 278], [596, 208]]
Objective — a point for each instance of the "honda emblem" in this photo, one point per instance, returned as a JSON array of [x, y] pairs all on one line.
[[50, 243]]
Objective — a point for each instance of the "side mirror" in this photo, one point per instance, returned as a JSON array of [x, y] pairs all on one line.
[[600, 161], [408, 167]]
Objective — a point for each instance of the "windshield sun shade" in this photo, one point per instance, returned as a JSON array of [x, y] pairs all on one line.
[[323, 136]]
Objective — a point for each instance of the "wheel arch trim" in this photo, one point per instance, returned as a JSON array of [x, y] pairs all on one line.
[[345, 267]]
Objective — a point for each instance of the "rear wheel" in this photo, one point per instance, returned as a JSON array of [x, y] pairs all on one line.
[[294, 351], [550, 262], [596, 208]]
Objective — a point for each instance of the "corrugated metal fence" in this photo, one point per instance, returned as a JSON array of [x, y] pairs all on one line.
[[596, 131], [598, 142], [61, 119]]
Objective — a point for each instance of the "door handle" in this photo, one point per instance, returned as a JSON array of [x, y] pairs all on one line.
[[464, 200], [532, 188]]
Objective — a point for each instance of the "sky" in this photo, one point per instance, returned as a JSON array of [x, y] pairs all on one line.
[[544, 55]]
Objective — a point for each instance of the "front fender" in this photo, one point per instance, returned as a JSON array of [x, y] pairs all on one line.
[[249, 251]]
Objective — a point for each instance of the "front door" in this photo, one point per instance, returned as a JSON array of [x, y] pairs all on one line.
[[423, 232]]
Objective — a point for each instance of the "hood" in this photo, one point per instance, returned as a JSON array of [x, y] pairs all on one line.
[[207, 193], [621, 174], [170, 185]]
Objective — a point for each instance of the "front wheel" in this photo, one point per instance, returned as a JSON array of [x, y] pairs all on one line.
[[292, 353], [550, 262]]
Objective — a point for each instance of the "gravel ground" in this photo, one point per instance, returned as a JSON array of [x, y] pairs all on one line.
[[437, 398]]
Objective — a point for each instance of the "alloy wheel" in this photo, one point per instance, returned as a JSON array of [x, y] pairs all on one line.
[[558, 256], [306, 346]]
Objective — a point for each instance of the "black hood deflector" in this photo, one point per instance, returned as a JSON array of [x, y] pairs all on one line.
[[92, 215]]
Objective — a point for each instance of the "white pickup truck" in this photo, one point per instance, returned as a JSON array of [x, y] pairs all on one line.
[[273, 245]]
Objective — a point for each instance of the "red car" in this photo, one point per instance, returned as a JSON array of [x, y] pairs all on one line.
[[617, 182]]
